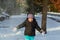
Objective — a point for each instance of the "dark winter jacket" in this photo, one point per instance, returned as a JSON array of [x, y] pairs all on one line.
[[29, 27]]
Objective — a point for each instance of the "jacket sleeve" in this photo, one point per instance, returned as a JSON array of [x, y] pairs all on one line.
[[37, 27], [21, 25]]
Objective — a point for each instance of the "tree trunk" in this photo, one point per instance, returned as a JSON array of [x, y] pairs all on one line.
[[44, 15]]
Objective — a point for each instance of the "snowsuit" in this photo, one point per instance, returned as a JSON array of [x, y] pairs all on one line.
[[29, 29]]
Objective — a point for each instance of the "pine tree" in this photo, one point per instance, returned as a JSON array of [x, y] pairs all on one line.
[[35, 5]]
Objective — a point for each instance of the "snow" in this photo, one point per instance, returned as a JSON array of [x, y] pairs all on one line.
[[54, 13], [6, 32]]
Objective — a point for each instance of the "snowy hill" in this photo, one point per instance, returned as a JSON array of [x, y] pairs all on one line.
[[6, 32]]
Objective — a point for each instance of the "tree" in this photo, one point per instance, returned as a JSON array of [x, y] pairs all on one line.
[[10, 6], [44, 15], [35, 5], [56, 4]]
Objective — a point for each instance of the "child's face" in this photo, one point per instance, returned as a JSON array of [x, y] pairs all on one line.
[[30, 19]]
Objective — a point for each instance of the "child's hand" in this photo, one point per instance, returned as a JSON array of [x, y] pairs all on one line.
[[14, 29], [42, 31]]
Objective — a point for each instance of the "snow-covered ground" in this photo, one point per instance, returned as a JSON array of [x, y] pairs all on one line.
[[6, 27]]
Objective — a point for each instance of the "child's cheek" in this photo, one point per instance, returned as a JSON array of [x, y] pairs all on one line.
[[30, 20]]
